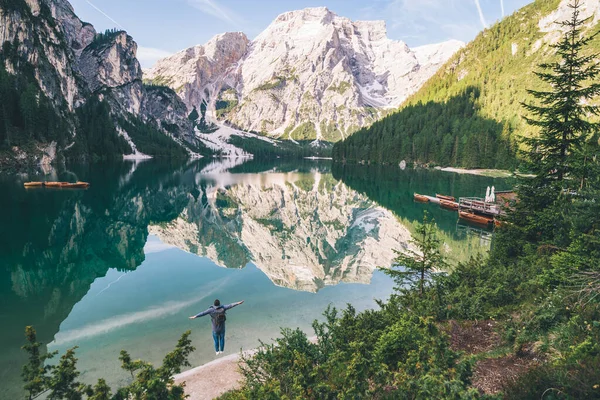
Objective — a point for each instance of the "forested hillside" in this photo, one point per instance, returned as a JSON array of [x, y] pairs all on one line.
[[471, 108]]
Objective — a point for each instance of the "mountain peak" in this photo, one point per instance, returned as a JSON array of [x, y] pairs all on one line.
[[310, 13]]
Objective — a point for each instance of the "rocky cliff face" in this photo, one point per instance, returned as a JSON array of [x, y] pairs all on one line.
[[110, 66], [200, 73], [33, 29], [303, 231], [310, 75], [71, 63]]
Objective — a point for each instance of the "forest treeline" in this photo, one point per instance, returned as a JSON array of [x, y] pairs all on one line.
[[448, 133]]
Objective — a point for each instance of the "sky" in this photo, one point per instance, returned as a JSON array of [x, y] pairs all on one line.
[[163, 27]]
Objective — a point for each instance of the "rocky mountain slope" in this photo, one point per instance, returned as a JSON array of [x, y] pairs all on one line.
[[67, 65], [310, 75], [469, 113]]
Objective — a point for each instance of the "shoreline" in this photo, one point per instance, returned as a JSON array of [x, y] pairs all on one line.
[[492, 173], [214, 378]]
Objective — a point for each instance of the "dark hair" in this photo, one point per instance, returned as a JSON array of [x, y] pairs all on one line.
[[217, 303]]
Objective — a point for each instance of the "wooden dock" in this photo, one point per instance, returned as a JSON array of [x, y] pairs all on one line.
[[477, 205], [474, 210]]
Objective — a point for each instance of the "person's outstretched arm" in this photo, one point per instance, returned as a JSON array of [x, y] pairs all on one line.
[[228, 306], [202, 314]]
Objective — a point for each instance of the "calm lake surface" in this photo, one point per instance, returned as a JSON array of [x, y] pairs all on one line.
[[123, 264]]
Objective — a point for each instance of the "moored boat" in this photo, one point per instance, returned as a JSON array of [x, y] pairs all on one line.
[[449, 205], [421, 198], [474, 218], [60, 185], [76, 185], [54, 184], [444, 197]]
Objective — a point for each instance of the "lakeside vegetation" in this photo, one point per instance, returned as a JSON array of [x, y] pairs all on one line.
[[283, 148], [24, 108], [448, 133]]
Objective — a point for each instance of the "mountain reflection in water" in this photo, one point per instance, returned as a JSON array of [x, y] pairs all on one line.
[[303, 230]]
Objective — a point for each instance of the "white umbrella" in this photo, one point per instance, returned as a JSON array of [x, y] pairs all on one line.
[[487, 194], [493, 195]]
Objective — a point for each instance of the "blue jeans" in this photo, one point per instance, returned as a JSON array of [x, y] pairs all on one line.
[[219, 339]]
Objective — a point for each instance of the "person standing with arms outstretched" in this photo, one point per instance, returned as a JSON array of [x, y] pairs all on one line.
[[218, 317]]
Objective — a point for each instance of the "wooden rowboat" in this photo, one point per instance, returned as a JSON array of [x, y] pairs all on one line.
[[33, 184], [444, 197], [54, 184], [76, 185], [65, 185], [420, 198], [474, 218], [449, 205]]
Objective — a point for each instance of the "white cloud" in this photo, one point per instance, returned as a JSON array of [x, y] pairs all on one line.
[[119, 321], [481, 16], [116, 322], [210, 7], [416, 19], [148, 56], [105, 14]]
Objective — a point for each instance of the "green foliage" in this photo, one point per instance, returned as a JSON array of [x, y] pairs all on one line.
[[282, 148], [63, 384], [341, 88], [105, 37], [35, 372], [224, 107], [373, 354], [565, 108], [158, 81], [151, 86], [97, 137], [330, 132], [448, 133], [60, 381], [305, 131], [26, 114], [201, 123], [274, 83], [416, 266], [194, 115], [559, 382], [151, 141]]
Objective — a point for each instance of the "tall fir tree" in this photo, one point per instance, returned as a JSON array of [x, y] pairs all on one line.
[[563, 110], [416, 266]]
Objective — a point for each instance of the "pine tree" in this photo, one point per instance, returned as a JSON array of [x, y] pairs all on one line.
[[35, 372], [418, 265], [60, 381], [564, 109]]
